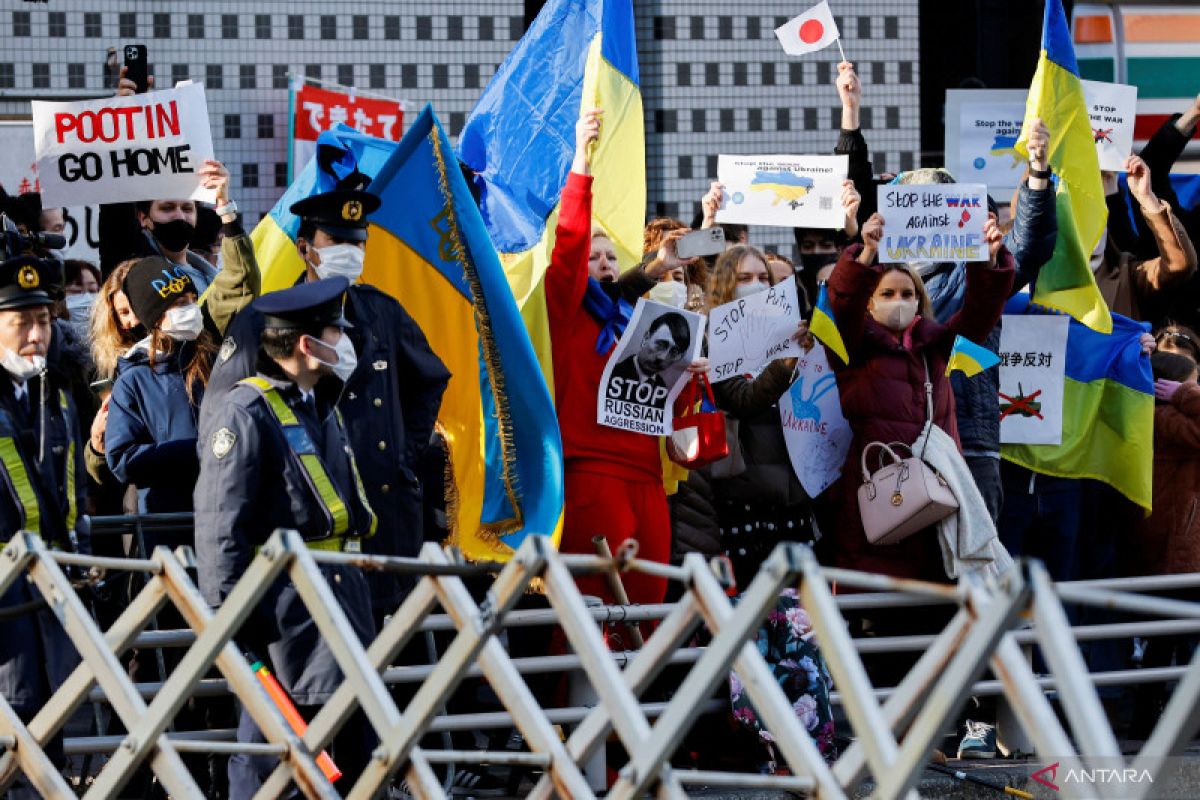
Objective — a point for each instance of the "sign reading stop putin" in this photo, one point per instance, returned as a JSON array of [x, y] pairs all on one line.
[[122, 149]]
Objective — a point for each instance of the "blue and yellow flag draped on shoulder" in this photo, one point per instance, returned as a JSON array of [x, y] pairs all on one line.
[[341, 150], [520, 139], [1108, 409], [429, 249], [1056, 96]]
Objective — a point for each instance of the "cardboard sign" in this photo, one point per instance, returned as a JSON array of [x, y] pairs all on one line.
[[648, 369], [122, 149], [746, 335], [1033, 354], [982, 128], [934, 222], [817, 435], [1113, 110], [317, 110], [18, 175], [787, 191]]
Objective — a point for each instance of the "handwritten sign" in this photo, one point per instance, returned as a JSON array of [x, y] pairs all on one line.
[[934, 222], [747, 334], [141, 147], [788, 191], [817, 435], [982, 128], [647, 368], [317, 109], [1113, 110], [1033, 354]]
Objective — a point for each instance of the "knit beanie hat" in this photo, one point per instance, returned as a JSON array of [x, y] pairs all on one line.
[[152, 286]]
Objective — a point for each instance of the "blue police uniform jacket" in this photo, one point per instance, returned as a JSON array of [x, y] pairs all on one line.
[[150, 440], [250, 485], [390, 405], [35, 653]]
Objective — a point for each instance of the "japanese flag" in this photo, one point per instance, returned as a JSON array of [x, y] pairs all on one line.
[[809, 32]]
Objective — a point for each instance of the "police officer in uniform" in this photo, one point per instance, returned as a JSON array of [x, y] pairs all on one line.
[[253, 480], [42, 486], [390, 402]]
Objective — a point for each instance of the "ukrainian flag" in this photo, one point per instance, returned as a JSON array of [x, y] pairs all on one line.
[[1108, 410], [341, 150], [520, 139], [429, 249], [969, 357], [1056, 95], [824, 328]]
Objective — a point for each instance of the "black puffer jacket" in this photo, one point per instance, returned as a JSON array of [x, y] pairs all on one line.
[[694, 527]]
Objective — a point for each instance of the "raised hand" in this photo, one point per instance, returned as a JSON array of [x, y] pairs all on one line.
[[994, 238], [711, 203], [1138, 175], [213, 175], [587, 131], [851, 200], [126, 87], [850, 91], [872, 234]]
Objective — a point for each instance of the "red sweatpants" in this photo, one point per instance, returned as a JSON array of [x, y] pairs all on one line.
[[618, 508]]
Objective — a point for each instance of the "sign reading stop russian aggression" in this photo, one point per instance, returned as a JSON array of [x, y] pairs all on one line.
[[123, 149], [933, 222]]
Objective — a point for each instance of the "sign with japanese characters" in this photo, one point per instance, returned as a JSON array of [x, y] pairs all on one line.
[[933, 222], [1033, 353], [318, 109]]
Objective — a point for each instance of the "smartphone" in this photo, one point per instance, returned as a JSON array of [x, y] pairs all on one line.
[[136, 66], [100, 387], [704, 242]]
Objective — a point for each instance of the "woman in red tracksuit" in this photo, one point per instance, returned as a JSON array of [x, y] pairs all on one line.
[[613, 477]]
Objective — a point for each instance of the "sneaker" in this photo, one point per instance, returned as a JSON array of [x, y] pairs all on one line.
[[474, 781], [980, 741]]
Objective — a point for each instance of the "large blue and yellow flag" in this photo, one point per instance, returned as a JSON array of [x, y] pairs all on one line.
[[429, 249], [520, 138], [1056, 96], [1108, 410], [340, 151]]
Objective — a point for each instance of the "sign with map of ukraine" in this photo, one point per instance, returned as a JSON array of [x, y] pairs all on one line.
[[982, 127], [785, 191]]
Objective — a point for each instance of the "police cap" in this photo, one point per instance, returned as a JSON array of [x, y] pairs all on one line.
[[307, 306], [26, 281], [342, 214]]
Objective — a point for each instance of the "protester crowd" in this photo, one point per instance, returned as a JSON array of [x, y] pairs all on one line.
[[163, 380]]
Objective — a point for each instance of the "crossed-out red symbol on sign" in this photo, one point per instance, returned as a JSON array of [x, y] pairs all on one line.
[[1021, 405]]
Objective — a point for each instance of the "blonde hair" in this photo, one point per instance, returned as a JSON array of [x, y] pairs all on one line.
[[722, 283], [109, 340], [924, 304]]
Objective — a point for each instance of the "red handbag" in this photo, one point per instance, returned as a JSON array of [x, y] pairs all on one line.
[[699, 428]]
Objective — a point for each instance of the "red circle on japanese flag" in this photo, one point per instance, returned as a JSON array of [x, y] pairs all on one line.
[[811, 31]]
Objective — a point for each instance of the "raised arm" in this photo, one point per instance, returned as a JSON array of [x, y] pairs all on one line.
[[1176, 256], [239, 281], [851, 141], [853, 282], [566, 278], [1035, 221]]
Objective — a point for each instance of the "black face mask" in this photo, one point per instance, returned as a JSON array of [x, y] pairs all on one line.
[[811, 262], [138, 332], [175, 235]]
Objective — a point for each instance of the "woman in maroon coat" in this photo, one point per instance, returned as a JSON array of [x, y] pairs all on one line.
[[884, 317]]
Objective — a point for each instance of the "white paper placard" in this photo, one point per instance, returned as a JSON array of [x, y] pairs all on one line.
[[123, 149], [786, 191], [746, 335], [817, 435], [648, 368], [933, 222], [1113, 110], [1033, 355], [982, 126]]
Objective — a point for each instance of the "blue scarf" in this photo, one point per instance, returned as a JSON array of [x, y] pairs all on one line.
[[612, 314]]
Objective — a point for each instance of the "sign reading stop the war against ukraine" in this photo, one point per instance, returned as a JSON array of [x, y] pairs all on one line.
[[933, 222], [123, 149]]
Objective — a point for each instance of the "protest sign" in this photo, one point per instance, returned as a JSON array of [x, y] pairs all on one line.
[[122, 149], [933, 222], [982, 128], [1113, 110], [648, 368], [1033, 354], [787, 191], [747, 334], [817, 435], [316, 109], [18, 175]]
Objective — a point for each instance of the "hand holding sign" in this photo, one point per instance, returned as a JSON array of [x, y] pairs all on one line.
[[934, 222]]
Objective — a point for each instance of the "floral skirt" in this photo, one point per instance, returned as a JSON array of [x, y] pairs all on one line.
[[786, 642]]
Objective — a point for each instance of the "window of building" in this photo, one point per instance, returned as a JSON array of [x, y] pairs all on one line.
[[328, 27], [246, 77], [454, 28], [408, 76], [7, 76], [361, 26], [214, 76], [229, 26], [41, 76], [195, 26], [265, 125], [57, 24], [345, 74], [162, 26], [470, 76], [279, 76], [76, 76], [377, 76], [699, 120], [179, 72], [233, 126], [250, 176], [487, 29], [22, 26], [281, 176], [424, 28], [391, 28], [93, 25], [127, 25], [262, 26], [295, 26], [441, 76]]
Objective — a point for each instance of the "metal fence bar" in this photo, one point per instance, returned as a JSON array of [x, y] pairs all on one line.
[[27, 753]]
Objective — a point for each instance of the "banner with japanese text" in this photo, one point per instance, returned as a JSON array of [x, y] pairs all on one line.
[[316, 109]]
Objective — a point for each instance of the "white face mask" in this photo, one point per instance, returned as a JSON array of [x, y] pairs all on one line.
[[746, 289], [20, 368], [183, 323], [79, 306], [894, 315], [671, 293], [347, 361], [340, 260]]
